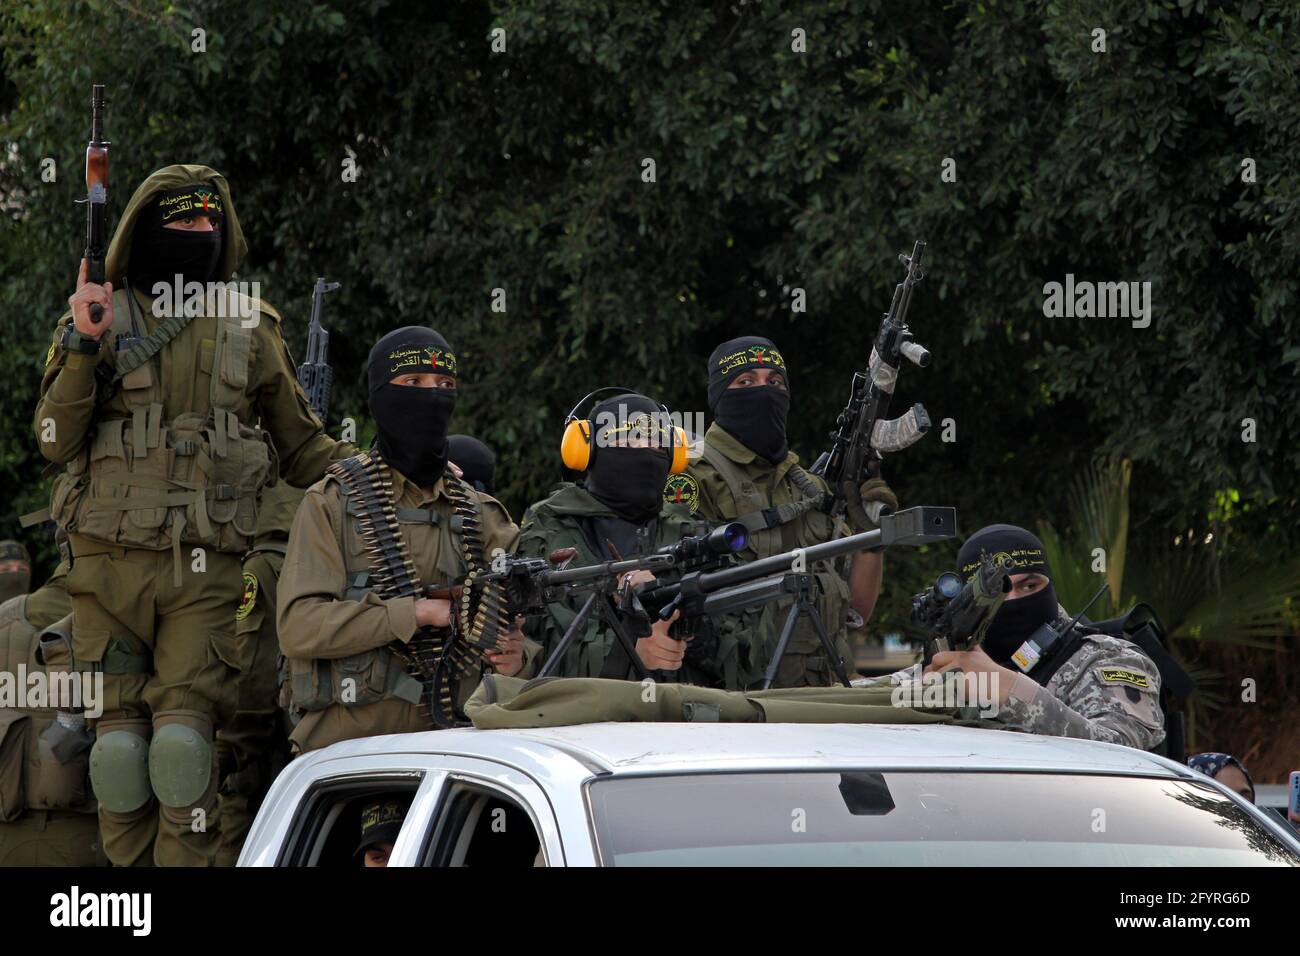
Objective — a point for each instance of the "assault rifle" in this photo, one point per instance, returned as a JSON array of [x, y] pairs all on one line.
[[958, 615], [710, 592], [862, 430], [96, 200], [315, 375]]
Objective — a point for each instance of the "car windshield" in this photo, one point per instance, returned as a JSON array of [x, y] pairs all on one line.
[[909, 818]]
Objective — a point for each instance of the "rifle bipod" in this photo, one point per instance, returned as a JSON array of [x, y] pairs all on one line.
[[801, 585]]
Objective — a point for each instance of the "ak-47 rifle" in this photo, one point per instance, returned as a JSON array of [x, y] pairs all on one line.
[[315, 375], [958, 615], [863, 432], [711, 592], [96, 200]]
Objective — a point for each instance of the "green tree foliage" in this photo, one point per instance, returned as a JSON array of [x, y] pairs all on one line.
[[775, 171]]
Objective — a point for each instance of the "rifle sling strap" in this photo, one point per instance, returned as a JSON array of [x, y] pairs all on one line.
[[764, 518], [129, 359]]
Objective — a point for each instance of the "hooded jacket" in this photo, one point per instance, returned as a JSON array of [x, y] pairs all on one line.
[[193, 434]]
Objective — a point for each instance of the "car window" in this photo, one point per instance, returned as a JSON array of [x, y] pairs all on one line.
[[482, 826], [327, 825], [924, 819]]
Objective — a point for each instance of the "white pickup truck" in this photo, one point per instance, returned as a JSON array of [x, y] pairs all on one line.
[[686, 794]]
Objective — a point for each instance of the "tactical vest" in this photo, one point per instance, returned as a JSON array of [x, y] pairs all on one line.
[[377, 674], [771, 528], [142, 482], [31, 778], [775, 529]]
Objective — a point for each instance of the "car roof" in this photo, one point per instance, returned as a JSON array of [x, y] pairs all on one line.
[[641, 748]]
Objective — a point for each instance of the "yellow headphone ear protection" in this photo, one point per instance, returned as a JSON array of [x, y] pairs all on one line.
[[575, 446], [680, 443]]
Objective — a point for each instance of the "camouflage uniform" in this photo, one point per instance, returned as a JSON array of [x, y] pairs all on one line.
[[1107, 690], [557, 522], [759, 485]]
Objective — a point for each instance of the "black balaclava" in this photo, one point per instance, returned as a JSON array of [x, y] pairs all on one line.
[[1017, 619], [475, 459], [13, 583], [629, 481], [754, 415], [411, 422], [159, 253]]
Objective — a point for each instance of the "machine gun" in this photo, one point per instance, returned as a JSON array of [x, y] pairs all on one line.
[[709, 592], [862, 430], [96, 200], [315, 375], [956, 615], [533, 583]]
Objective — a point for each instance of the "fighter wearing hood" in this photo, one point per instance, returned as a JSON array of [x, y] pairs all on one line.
[[169, 422]]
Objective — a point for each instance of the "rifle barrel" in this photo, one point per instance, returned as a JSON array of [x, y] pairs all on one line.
[[911, 526]]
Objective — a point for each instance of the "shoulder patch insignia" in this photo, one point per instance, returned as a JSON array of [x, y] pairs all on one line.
[[682, 489], [250, 596], [1118, 675], [49, 356]]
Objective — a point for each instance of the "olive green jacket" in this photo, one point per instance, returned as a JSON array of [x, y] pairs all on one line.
[[222, 383], [709, 495], [556, 522]]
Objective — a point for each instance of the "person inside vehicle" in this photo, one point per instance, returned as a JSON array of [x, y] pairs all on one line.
[[1226, 769], [381, 821]]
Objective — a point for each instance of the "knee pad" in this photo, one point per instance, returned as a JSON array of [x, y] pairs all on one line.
[[119, 764], [181, 758]]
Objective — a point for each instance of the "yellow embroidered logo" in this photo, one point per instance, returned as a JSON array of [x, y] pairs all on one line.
[[49, 356], [1019, 558], [197, 202], [421, 359], [754, 355], [1116, 675], [682, 489], [250, 596]]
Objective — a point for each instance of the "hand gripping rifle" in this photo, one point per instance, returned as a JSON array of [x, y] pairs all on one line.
[[956, 615], [96, 200], [863, 432], [708, 592], [315, 375], [534, 583]]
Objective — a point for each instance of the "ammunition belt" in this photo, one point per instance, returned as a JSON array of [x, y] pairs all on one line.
[[436, 660], [369, 485], [482, 616]]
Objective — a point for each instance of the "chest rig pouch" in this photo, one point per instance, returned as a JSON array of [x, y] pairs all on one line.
[[773, 529], [146, 482], [377, 674], [33, 774]]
